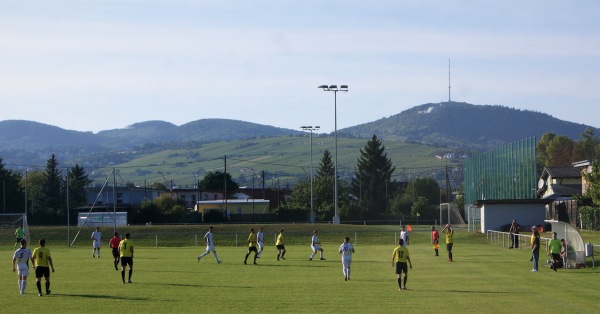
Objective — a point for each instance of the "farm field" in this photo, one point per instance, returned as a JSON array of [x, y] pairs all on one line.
[[169, 279]]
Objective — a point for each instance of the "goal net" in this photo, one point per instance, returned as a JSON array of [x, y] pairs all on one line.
[[449, 214], [14, 221]]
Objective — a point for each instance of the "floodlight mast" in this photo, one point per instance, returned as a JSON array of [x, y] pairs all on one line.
[[335, 90]]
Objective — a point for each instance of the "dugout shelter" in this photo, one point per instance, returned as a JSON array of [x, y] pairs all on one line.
[[575, 245]]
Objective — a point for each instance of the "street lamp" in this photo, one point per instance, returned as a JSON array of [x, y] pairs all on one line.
[[335, 90], [312, 210]]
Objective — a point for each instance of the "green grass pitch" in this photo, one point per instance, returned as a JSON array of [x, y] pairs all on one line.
[[483, 279]]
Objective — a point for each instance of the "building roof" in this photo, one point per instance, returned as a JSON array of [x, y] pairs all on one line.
[[563, 172], [566, 190], [480, 203]]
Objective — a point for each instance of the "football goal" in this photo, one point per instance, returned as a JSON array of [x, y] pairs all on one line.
[[14, 221]]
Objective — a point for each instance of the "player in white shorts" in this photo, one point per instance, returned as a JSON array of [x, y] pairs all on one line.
[[97, 238], [260, 240], [210, 247], [20, 260], [316, 246], [346, 249]]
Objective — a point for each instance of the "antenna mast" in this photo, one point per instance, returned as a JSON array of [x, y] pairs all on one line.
[[449, 99]]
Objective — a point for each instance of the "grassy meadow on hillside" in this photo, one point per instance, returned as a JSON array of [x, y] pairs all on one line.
[[286, 158], [169, 279]]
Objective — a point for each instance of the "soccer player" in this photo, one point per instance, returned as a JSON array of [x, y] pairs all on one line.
[[280, 245], [42, 262], [260, 238], [20, 264], [19, 234], [251, 246], [435, 239], [210, 247], [114, 245], [316, 246], [553, 249], [97, 238], [404, 235], [449, 240], [126, 254], [346, 249], [399, 258]]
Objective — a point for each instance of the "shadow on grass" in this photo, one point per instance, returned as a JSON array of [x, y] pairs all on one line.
[[199, 286], [469, 291], [100, 296]]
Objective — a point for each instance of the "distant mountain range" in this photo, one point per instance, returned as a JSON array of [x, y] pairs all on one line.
[[29, 135], [454, 124], [447, 124]]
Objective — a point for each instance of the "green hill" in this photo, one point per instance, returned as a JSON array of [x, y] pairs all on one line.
[[285, 158]]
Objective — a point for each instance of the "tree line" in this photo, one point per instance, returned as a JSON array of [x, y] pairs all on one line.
[[371, 194]]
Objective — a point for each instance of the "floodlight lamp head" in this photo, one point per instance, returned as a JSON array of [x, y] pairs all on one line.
[[317, 127], [344, 88], [333, 87], [324, 87]]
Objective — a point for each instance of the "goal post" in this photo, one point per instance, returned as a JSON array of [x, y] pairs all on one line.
[[14, 221]]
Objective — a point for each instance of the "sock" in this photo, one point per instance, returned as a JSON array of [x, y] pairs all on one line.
[[20, 284], [450, 255], [399, 282], [215, 254], [436, 252], [130, 272], [39, 286], [321, 254], [348, 272], [123, 275], [23, 284], [246, 259], [282, 254], [47, 286], [278, 255], [313, 255], [405, 277]]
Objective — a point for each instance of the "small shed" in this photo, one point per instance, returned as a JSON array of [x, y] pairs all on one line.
[[497, 213]]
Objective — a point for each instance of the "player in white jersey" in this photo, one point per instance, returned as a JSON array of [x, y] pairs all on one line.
[[316, 246], [210, 247], [260, 240], [97, 241], [346, 249], [404, 235], [20, 263]]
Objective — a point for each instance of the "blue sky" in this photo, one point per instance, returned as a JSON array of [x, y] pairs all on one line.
[[98, 65]]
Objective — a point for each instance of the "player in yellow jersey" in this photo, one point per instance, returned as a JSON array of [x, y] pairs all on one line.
[[399, 258], [280, 244], [251, 246], [42, 261], [449, 241], [126, 254]]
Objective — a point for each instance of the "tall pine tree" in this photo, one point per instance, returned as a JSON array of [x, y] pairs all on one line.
[[371, 180], [78, 180], [326, 166], [50, 198]]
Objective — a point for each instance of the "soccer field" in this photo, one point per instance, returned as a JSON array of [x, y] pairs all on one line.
[[483, 278]]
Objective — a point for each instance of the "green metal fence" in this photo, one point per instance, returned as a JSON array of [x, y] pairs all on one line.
[[506, 172]]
